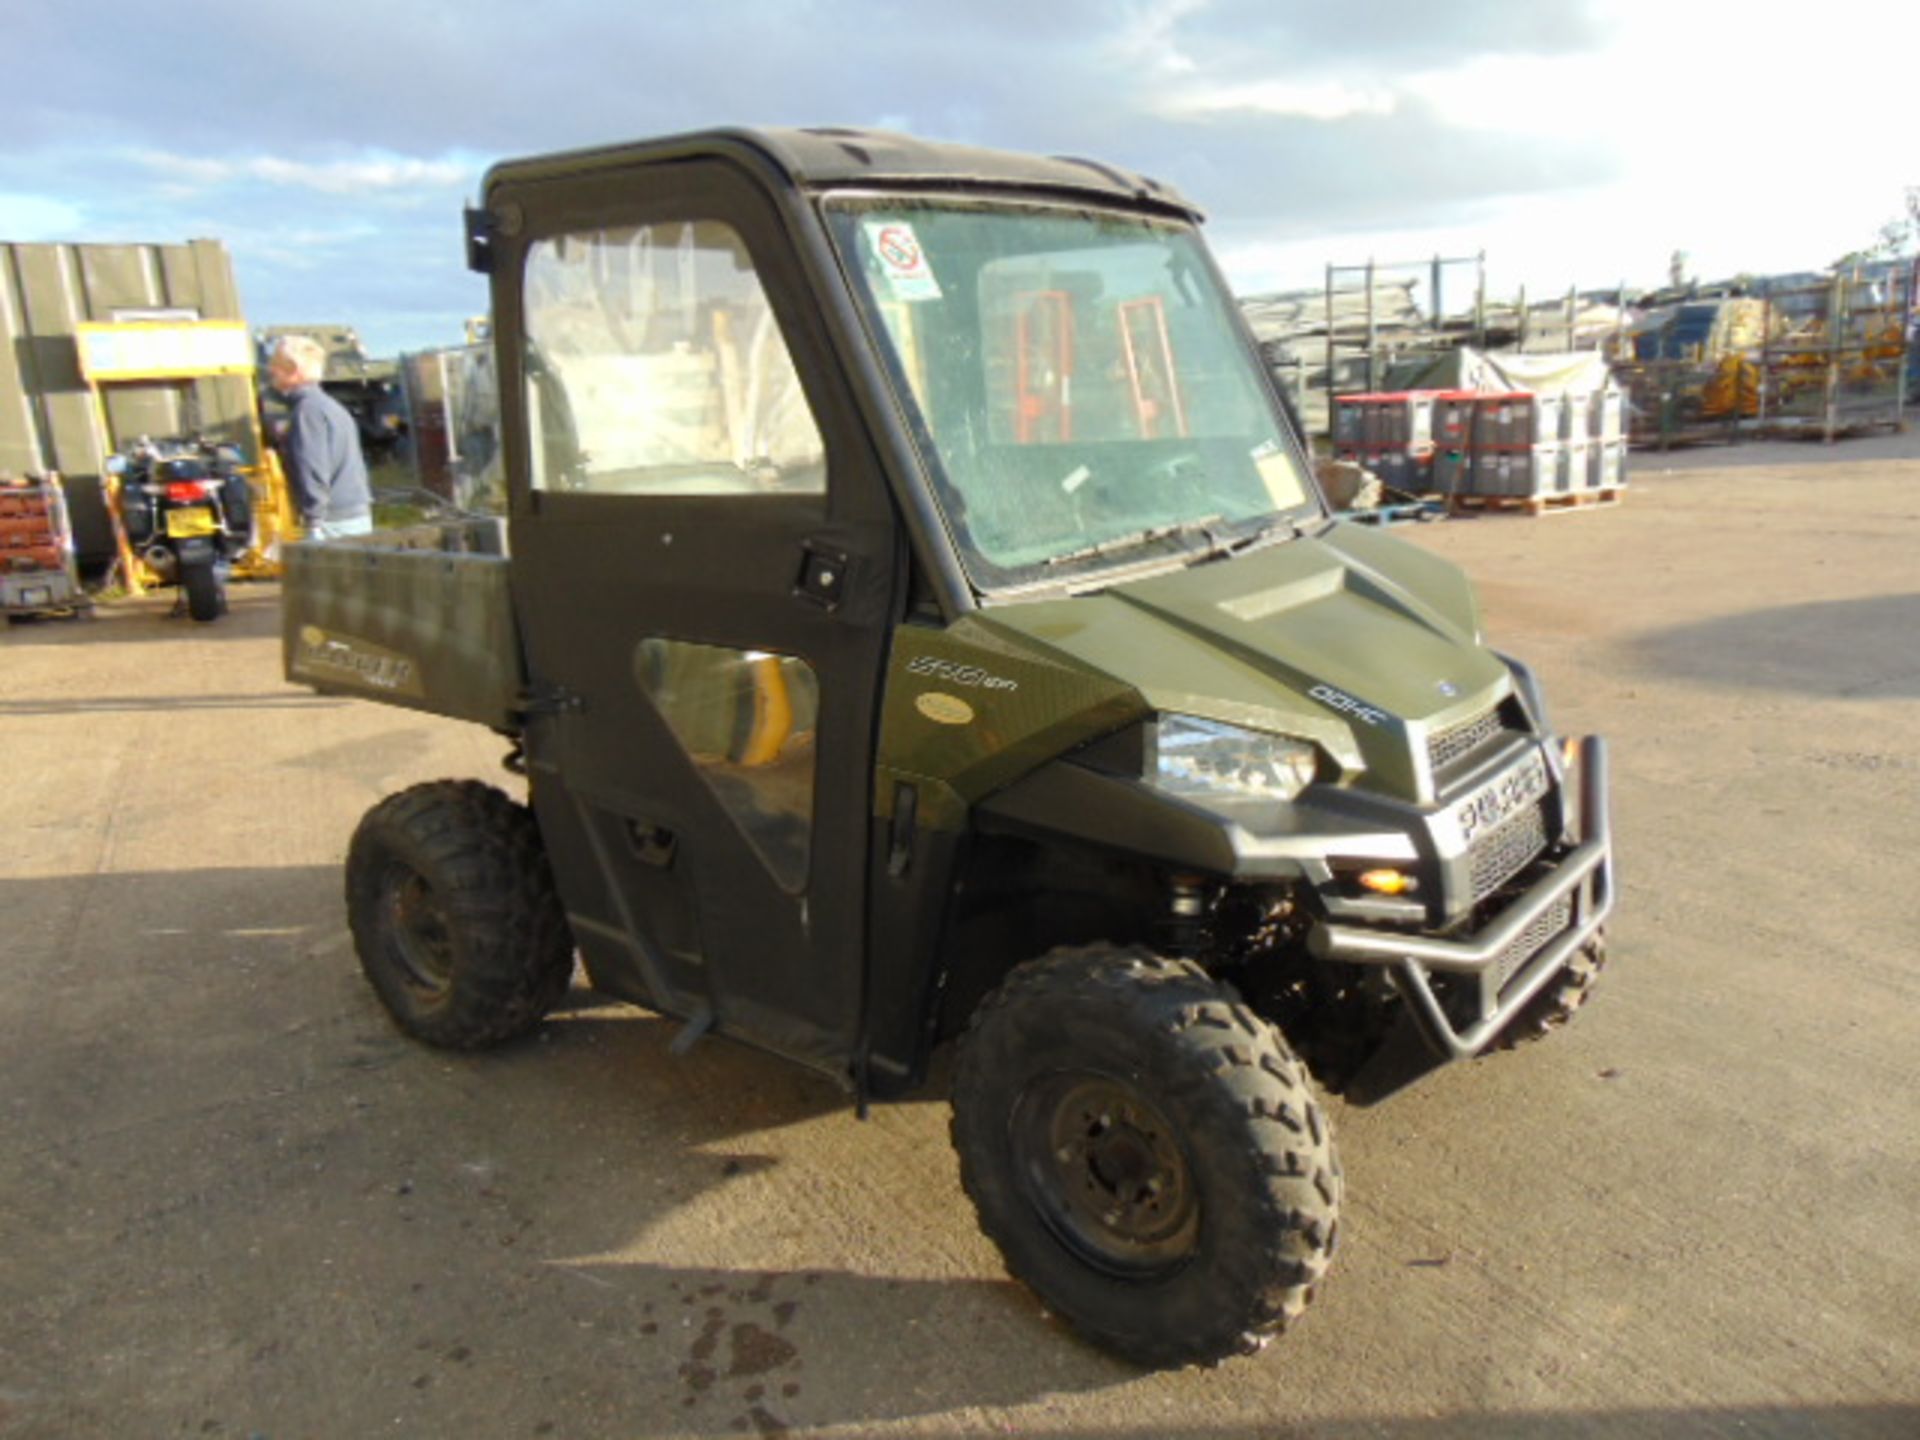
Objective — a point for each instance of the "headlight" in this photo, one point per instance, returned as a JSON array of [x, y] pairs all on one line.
[[1198, 758]]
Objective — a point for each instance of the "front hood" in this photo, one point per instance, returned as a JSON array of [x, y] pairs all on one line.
[[1351, 638]]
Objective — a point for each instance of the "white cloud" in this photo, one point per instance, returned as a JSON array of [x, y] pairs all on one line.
[[1562, 96], [333, 177], [343, 177], [1573, 140], [1144, 38], [185, 169], [1311, 100], [1727, 138]]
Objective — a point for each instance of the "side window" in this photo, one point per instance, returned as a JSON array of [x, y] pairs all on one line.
[[655, 367], [746, 719]]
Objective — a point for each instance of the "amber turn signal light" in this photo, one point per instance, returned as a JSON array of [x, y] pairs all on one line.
[[1388, 882]]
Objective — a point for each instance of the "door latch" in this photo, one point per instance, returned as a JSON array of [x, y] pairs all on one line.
[[823, 576]]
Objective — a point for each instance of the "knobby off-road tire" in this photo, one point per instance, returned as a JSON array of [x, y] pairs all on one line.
[[1554, 1006], [206, 597], [454, 914], [1147, 1154]]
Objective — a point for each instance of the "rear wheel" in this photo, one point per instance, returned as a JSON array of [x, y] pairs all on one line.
[[1147, 1154], [454, 914], [206, 596]]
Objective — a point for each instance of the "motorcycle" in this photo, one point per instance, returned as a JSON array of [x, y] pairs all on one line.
[[188, 512]]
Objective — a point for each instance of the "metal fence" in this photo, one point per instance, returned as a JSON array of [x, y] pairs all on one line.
[[1820, 357], [1364, 328], [1828, 360]]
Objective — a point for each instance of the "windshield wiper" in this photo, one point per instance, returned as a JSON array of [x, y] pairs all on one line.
[[1289, 526], [1130, 541]]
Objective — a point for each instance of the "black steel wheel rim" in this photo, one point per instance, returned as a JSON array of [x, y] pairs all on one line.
[[422, 935], [1106, 1172]]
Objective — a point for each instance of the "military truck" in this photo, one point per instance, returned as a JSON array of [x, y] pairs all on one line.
[[369, 389], [915, 622]]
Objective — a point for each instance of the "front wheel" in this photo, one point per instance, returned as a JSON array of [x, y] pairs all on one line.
[[1554, 1006], [1147, 1154], [206, 596], [454, 914]]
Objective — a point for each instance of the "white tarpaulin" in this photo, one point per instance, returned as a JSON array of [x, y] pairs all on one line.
[[1578, 372]]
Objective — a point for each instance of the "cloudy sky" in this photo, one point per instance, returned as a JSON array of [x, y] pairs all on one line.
[[1575, 141]]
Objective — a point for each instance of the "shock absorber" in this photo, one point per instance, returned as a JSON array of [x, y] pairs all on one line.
[[1183, 924]]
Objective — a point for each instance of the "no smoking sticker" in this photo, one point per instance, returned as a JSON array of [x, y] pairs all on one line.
[[902, 261]]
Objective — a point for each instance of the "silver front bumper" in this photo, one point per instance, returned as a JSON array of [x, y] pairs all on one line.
[[1582, 882]]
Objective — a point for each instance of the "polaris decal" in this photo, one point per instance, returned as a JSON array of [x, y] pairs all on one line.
[[1347, 705], [943, 709], [325, 657]]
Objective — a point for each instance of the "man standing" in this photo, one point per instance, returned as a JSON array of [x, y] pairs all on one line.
[[321, 447]]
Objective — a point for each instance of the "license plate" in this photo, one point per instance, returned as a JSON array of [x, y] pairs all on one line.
[[189, 521], [1506, 794]]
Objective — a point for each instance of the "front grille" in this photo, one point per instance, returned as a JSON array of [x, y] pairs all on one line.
[[1529, 942], [1504, 851], [1448, 745]]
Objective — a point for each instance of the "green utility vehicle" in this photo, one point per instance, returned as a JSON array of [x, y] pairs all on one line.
[[915, 621]]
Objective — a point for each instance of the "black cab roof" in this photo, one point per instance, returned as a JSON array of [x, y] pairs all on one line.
[[830, 157]]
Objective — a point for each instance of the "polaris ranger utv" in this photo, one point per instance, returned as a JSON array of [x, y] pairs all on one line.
[[915, 620]]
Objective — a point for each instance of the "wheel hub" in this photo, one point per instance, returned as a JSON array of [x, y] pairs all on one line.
[[1106, 1171], [422, 937]]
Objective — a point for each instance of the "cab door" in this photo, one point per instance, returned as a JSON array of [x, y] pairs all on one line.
[[704, 560]]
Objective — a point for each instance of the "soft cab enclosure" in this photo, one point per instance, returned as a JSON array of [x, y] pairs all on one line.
[[886, 520]]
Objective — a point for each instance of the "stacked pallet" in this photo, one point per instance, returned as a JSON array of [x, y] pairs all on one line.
[[1511, 449], [1389, 433], [1517, 445], [1453, 418], [37, 572]]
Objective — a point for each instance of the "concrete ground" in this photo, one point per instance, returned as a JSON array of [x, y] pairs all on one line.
[[236, 1203]]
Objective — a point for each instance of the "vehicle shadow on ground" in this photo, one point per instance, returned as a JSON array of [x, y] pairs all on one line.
[[655, 1138], [472, 1201], [544, 1183], [1786, 1422], [722, 1348], [773, 1351], [1867, 648]]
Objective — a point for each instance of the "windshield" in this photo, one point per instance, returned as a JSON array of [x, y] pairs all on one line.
[[1081, 378]]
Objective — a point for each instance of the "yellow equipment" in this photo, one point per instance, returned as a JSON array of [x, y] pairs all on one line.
[[1734, 388], [178, 353]]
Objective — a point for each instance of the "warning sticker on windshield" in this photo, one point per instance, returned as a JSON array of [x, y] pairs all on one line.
[[1279, 475], [902, 261]]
